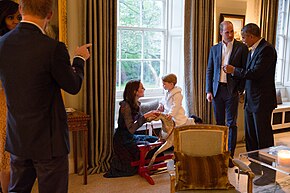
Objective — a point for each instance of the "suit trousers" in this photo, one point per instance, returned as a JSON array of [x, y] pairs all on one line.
[[225, 107], [52, 174], [258, 129]]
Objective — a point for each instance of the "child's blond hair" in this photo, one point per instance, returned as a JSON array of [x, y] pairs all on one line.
[[171, 78]]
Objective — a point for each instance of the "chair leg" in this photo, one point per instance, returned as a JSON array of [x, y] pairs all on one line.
[[143, 170], [148, 178]]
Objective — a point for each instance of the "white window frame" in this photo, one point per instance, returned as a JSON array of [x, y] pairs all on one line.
[[150, 92], [282, 46], [173, 62]]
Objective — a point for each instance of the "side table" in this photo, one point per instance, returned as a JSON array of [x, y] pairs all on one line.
[[78, 122]]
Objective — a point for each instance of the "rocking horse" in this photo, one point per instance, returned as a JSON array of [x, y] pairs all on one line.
[[167, 136]]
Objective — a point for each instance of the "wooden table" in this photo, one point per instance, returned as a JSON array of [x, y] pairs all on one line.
[[78, 122]]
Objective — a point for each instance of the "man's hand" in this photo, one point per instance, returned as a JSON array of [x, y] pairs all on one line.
[[229, 69], [83, 51], [209, 97]]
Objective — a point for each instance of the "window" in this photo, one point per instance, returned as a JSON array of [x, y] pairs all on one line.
[[282, 44], [149, 45], [141, 44]]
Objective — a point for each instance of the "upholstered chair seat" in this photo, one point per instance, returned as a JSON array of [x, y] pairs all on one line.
[[202, 159]]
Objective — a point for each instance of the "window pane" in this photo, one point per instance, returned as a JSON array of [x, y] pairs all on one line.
[[118, 44], [118, 76], [153, 42], [129, 70], [152, 18], [129, 13], [131, 44], [278, 75], [281, 40], [151, 74], [141, 47]]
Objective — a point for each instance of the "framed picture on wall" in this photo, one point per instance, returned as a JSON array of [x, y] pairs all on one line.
[[238, 22], [57, 27]]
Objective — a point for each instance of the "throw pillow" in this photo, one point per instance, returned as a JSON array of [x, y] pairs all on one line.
[[209, 172]]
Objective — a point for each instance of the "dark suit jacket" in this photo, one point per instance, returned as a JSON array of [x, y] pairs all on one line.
[[33, 69], [238, 58], [260, 78]]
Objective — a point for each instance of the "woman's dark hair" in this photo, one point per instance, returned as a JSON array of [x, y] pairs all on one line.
[[7, 7], [129, 95]]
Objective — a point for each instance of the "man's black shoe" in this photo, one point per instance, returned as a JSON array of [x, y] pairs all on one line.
[[264, 180], [231, 164], [196, 119]]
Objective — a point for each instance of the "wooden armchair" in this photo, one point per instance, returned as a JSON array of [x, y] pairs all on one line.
[[201, 160]]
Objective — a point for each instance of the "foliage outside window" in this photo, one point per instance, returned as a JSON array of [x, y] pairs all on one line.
[[141, 43]]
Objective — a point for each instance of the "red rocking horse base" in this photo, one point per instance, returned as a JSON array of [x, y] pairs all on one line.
[[143, 170]]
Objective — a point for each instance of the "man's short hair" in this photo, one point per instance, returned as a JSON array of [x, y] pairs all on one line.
[[171, 78], [39, 8], [253, 29], [223, 23]]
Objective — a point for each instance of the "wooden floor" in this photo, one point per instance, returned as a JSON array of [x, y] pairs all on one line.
[[98, 184]]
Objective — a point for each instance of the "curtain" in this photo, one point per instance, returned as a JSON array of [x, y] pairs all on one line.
[[198, 38], [268, 21], [100, 83]]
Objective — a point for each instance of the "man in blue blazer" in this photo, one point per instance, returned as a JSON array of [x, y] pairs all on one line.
[[222, 89], [33, 69], [260, 99]]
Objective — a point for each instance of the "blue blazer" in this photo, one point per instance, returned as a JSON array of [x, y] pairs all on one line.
[[238, 58], [33, 69], [260, 78]]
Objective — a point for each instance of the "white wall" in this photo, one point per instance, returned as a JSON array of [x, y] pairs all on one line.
[[236, 7], [249, 8], [253, 12], [74, 34]]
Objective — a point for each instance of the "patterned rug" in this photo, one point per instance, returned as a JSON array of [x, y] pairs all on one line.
[[282, 186]]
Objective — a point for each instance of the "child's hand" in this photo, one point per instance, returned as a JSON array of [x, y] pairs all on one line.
[[168, 116], [160, 108]]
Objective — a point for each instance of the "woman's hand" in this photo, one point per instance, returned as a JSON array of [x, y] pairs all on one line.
[[152, 114]]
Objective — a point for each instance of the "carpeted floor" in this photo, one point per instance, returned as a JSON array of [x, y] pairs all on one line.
[[98, 184], [282, 186]]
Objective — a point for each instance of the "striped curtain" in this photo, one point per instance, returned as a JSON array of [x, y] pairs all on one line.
[[198, 38], [268, 21], [100, 83]]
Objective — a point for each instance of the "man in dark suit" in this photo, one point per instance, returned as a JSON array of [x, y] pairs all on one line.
[[222, 89], [33, 69], [260, 99]]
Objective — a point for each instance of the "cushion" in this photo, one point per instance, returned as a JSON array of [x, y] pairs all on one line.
[[209, 172]]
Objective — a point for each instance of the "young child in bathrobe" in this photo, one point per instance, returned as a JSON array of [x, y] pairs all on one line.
[[172, 102]]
